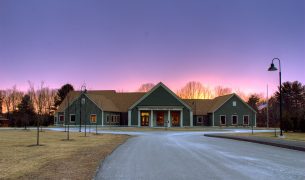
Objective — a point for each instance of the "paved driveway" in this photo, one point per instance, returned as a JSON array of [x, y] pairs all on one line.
[[178, 155]]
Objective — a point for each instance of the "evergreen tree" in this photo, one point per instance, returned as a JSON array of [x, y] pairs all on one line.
[[26, 110], [62, 93]]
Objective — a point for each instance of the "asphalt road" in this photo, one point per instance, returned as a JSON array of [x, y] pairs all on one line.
[[171, 155]]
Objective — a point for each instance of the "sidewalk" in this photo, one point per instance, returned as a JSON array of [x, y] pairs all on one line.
[[295, 145]]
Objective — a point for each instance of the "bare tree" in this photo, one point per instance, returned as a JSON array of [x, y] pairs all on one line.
[[146, 87], [1, 100], [7, 98], [16, 97], [37, 96], [194, 90], [220, 91], [241, 94]]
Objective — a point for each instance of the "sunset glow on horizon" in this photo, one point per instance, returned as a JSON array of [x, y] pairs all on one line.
[[122, 45]]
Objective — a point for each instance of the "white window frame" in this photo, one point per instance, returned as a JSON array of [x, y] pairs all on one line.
[[220, 120], [55, 119], [234, 103], [248, 120], [107, 118], [236, 119], [60, 118], [201, 119], [118, 118], [70, 118], [95, 119]]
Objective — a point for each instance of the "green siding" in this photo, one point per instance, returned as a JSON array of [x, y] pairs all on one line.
[[86, 110], [160, 97], [228, 110]]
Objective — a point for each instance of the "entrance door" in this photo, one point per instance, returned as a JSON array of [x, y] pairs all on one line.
[[175, 118], [144, 118], [160, 118]]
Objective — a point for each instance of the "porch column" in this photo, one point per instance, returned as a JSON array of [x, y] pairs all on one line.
[[181, 118], [102, 118], [191, 118], [139, 118], [129, 117], [168, 119], [151, 118]]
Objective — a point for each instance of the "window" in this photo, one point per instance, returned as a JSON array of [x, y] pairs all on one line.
[[246, 120], [199, 119], [72, 117], [107, 118], [93, 118], [234, 119], [234, 103], [222, 120], [61, 118], [83, 100], [55, 119]]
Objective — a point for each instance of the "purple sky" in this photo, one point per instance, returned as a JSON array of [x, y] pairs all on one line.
[[122, 44]]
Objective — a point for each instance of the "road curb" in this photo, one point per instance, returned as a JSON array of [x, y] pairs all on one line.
[[259, 141]]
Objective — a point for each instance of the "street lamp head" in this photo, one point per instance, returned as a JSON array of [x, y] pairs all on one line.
[[272, 67]]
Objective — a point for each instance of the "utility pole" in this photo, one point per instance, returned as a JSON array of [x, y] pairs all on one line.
[[267, 108]]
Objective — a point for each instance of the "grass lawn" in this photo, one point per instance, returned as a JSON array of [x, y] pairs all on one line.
[[288, 135], [57, 158]]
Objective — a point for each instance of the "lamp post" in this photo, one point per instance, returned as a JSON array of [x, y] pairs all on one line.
[[83, 90], [273, 68]]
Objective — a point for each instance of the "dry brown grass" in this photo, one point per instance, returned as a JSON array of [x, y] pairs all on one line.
[[56, 158], [288, 135]]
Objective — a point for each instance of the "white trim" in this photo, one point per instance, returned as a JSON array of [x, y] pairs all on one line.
[[102, 118], [213, 119], [151, 118], [107, 119], [95, 118], [156, 87], [236, 119], [220, 120], [236, 102], [63, 116], [55, 119], [181, 118], [197, 117], [129, 117], [70, 118], [139, 118], [82, 104], [223, 103], [168, 118], [244, 120], [191, 118]]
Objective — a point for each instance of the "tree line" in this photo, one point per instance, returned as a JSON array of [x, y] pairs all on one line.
[[293, 106], [35, 106]]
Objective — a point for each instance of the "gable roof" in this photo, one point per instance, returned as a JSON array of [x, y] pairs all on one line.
[[107, 100], [199, 106], [205, 106], [160, 84], [219, 101]]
